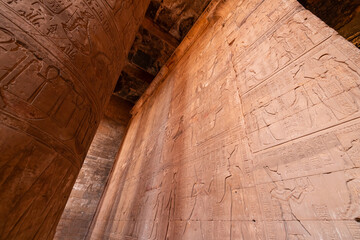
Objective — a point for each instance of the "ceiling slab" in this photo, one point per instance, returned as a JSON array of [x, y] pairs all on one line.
[[165, 25]]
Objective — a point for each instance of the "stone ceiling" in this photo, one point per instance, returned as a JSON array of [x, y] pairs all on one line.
[[341, 15], [166, 23]]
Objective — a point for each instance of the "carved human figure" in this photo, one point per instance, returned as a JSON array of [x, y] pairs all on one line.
[[285, 196], [164, 207], [352, 209], [77, 30], [199, 196], [335, 84], [158, 208]]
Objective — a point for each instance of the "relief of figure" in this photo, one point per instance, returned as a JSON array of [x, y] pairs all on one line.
[[231, 186], [158, 208], [286, 105], [336, 83], [350, 144], [232, 180], [164, 207], [295, 36], [77, 30], [352, 210], [283, 117], [199, 194], [258, 69], [285, 196]]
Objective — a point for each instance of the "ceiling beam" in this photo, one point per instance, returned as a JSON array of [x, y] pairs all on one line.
[[136, 72], [149, 25]]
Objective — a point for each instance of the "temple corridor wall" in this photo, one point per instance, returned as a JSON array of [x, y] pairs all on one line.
[[254, 134], [90, 183], [59, 63]]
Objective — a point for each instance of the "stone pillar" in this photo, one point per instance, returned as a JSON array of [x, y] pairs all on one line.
[[59, 62], [85, 196]]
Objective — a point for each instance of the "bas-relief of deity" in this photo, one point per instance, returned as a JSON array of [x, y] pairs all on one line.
[[77, 30], [286, 196], [211, 119], [303, 203], [352, 208], [280, 48], [320, 98], [247, 35]]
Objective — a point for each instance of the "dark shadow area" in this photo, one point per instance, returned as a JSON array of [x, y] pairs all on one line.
[[341, 15]]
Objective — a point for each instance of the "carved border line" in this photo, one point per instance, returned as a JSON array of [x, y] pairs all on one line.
[[263, 82], [42, 137]]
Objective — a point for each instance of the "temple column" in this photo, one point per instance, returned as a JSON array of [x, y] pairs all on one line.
[[59, 62]]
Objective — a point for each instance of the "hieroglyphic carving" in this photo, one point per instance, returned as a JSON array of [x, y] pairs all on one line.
[[300, 106], [262, 129], [77, 31], [285, 195], [318, 154], [74, 24], [49, 100], [281, 47], [58, 66]]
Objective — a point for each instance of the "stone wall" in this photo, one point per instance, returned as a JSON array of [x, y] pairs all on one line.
[[59, 62], [253, 134], [90, 183]]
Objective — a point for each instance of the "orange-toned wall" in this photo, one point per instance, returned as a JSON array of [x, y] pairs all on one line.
[[59, 63], [254, 134]]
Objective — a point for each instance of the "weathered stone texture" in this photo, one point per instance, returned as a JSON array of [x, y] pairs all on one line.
[[59, 62], [254, 134], [85, 196]]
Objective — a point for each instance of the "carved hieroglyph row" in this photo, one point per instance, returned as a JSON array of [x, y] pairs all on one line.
[[253, 135]]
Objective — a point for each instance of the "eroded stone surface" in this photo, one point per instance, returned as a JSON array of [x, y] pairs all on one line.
[[59, 62], [254, 134]]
